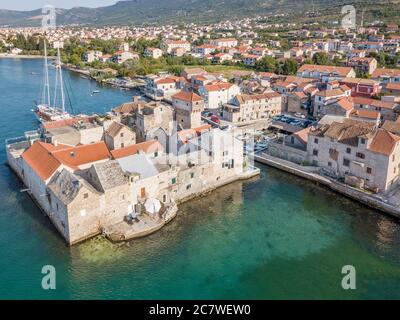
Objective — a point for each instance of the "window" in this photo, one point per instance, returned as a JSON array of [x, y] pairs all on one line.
[[122, 135], [360, 155], [85, 195], [122, 145], [156, 154], [164, 198], [346, 162], [188, 186], [173, 181], [315, 152], [348, 150], [362, 140], [192, 175], [316, 140], [330, 164]]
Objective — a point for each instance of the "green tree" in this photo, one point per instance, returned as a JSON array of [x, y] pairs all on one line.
[[267, 64], [290, 66], [321, 58]]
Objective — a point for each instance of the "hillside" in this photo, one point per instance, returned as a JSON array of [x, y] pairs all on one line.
[[175, 11]]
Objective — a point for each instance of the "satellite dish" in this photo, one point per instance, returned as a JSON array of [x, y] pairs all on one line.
[[152, 205]]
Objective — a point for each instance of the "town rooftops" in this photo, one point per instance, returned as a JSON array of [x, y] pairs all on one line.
[[165, 80], [45, 158], [84, 154], [187, 96], [330, 93], [393, 86], [106, 175], [66, 186], [114, 129], [187, 134], [341, 71], [243, 98], [147, 147], [302, 135], [383, 142], [67, 122], [392, 126], [373, 102], [218, 86], [383, 72], [345, 103], [367, 114], [346, 132], [360, 81], [40, 159]]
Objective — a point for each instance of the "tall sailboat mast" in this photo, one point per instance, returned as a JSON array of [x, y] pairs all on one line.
[[61, 80], [46, 71]]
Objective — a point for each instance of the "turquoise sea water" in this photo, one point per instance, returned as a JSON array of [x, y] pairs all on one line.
[[273, 237]]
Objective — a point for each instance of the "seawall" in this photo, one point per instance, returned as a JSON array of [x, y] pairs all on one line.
[[346, 190]]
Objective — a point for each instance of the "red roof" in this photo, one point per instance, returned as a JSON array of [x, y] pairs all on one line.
[[39, 158], [146, 147], [187, 96], [45, 158], [218, 86], [185, 135], [83, 154]]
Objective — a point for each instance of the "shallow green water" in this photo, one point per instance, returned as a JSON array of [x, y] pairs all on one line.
[[276, 236]]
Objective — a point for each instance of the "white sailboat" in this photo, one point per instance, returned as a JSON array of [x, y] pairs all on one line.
[[45, 112]]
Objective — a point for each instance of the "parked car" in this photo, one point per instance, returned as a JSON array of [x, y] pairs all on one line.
[[215, 118]]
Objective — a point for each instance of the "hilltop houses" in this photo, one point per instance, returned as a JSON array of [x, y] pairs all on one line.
[[325, 73]]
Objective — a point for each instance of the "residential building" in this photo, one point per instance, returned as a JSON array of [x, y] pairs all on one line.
[[218, 93], [118, 136], [245, 107], [188, 107], [325, 73]]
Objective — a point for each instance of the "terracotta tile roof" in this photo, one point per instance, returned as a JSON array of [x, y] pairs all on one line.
[[348, 132], [393, 86], [359, 81], [364, 113], [115, 128], [187, 96], [385, 72], [243, 98], [150, 146], [218, 86], [345, 104], [342, 71], [186, 135], [80, 155], [40, 159], [165, 80], [67, 122], [384, 142], [373, 102], [392, 126], [330, 93], [303, 134]]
